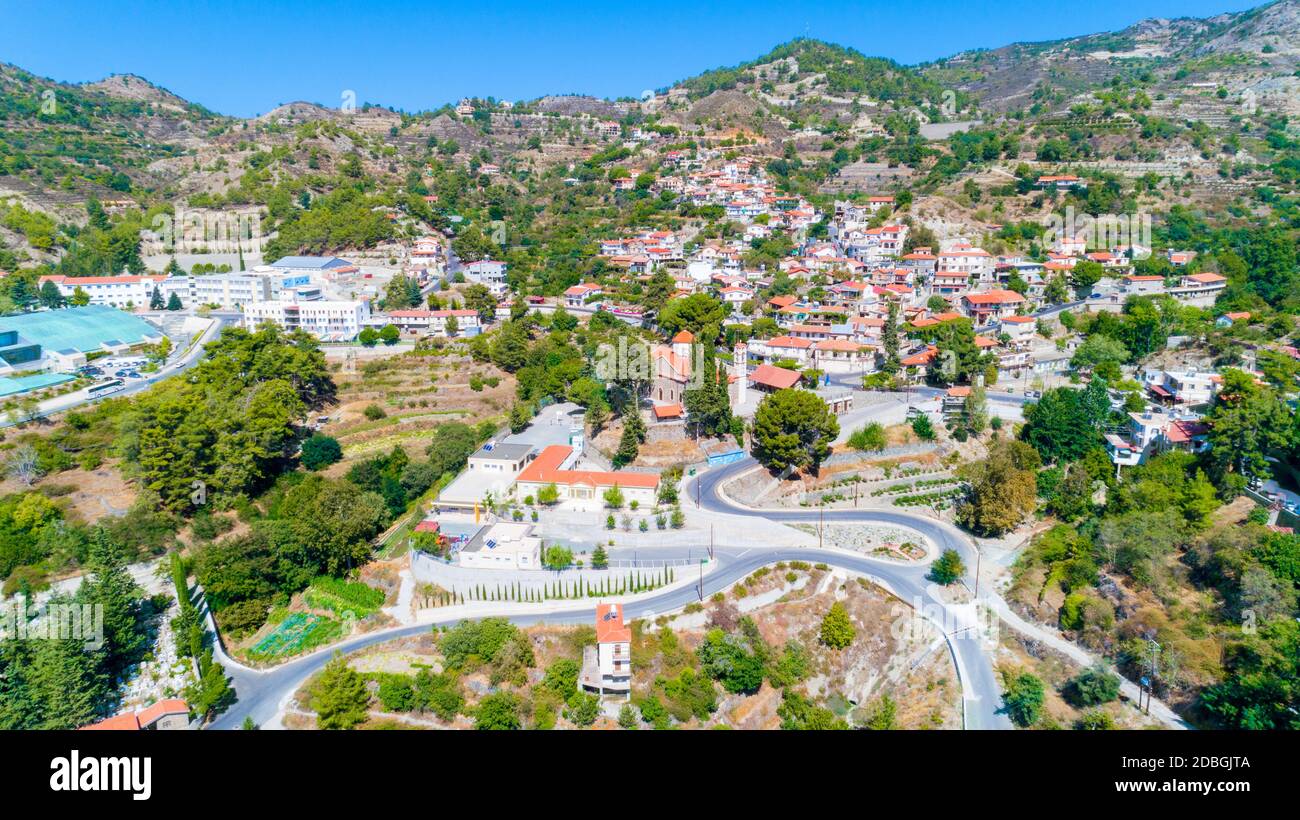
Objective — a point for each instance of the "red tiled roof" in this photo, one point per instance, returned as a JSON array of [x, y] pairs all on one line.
[[994, 297], [117, 723], [171, 706], [923, 358], [838, 344], [545, 469], [668, 411], [775, 377], [609, 624], [1184, 431], [789, 341], [134, 721]]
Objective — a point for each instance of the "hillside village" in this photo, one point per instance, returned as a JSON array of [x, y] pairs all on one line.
[[344, 373]]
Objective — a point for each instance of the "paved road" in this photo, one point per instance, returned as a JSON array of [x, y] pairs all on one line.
[[70, 401], [979, 681], [261, 693]]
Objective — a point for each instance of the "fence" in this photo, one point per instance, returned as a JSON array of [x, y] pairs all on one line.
[[471, 583]]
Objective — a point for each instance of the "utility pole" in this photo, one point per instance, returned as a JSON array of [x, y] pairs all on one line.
[[979, 559], [821, 518], [1151, 685], [710, 542]]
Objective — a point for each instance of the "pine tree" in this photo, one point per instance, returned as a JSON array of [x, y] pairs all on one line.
[[111, 586], [339, 696], [629, 444]]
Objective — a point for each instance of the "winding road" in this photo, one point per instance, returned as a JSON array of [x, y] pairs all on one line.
[[263, 693]]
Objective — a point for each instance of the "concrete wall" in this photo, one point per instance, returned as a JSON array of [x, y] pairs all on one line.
[[466, 581]]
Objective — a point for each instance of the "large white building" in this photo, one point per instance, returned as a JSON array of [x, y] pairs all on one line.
[[113, 291], [329, 321], [232, 291]]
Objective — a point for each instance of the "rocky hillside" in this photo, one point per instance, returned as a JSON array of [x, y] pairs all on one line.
[[837, 120], [1254, 49]]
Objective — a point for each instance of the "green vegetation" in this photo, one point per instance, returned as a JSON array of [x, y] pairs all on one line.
[[948, 569], [339, 696], [837, 630], [793, 429], [320, 451], [61, 683], [1022, 698]]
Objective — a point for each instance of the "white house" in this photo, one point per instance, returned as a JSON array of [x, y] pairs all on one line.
[[576, 296], [1186, 387], [504, 545], [583, 489], [421, 320], [607, 666], [487, 272]]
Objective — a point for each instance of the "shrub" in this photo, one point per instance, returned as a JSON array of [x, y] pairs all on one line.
[[1023, 699], [837, 630], [869, 438], [1092, 687], [923, 428], [321, 451], [948, 569], [396, 694]]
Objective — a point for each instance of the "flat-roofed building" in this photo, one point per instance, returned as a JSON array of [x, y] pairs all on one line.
[[329, 321], [505, 545], [60, 339]]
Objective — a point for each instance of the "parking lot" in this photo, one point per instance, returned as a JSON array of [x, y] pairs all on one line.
[[125, 367]]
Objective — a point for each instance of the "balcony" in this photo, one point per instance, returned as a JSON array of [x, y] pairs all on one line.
[[591, 678], [1123, 452]]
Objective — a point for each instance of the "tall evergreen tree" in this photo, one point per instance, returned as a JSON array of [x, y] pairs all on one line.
[[111, 587], [892, 361]]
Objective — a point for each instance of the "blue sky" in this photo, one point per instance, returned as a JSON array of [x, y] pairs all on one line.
[[243, 58]]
